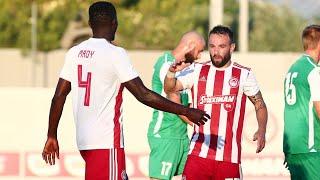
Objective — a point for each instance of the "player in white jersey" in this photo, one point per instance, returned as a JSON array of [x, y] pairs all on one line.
[[220, 88], [97, 72]]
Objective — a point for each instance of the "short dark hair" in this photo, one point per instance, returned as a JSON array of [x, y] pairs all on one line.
[[311, 36], [222, 30], [102, 11]]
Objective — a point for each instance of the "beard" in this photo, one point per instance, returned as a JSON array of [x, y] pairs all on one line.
[[190, 57], [224, 61]]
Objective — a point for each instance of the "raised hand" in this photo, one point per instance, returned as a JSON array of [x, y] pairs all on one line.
[[178, 65], [184, 62]]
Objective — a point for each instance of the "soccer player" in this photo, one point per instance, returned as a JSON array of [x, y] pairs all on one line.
[[167, 133], [219, 87], [97, 72], [301, 139]]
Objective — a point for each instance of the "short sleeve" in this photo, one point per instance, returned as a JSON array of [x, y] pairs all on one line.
[[66, 71], [190, 100], [163, 71], [123, 67], [186, 77], [314, 83], [250, 86]]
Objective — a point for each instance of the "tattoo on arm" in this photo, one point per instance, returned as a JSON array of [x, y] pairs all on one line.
[[257, 101]]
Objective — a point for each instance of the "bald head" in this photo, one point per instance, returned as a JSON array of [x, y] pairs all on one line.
[[192, 36], [190, 46]]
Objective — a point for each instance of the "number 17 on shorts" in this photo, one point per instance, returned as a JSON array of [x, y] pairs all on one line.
[[166, 167]]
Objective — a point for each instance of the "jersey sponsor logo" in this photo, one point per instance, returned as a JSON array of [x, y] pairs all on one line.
[[234, 82], [228, 101], [85, 54]]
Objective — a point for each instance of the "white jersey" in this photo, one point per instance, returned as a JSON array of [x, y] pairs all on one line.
[[222, 94], [96, 69]]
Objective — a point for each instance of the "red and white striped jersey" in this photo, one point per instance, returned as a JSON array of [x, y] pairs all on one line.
[[96, 70], [222, 94]]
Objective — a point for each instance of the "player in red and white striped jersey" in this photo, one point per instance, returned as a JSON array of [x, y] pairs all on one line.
[[219, 87], [97, 72]]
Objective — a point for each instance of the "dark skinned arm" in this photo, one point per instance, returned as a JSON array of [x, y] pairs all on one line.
[[175, 97], [154, 100], [51, 148]]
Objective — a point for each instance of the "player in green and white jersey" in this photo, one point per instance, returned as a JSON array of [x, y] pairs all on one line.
[[301, 140], [167, 133]]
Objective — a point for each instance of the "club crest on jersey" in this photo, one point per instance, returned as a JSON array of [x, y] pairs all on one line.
[[227, 101], [234, 82]]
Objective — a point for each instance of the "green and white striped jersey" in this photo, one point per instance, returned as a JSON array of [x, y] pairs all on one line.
[[301, 123], [163, 124]]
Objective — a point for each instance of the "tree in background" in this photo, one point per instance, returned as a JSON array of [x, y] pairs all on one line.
[[150, 24], [158, 24], [14, 24], [275, 28], [271, 28]]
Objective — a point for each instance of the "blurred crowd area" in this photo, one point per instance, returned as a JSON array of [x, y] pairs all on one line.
[[274, 25]]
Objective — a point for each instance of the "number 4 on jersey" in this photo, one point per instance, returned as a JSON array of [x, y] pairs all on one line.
[[84, 84], [290, 88]]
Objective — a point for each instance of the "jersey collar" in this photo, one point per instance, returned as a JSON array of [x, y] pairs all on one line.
[[221, 69], [310, 59], [168, 56]]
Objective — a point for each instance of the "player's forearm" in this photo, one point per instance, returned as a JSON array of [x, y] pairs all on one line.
[[262, 118], [170, 83], [175, 97], [152, 99], [261, 111], [56, 108], [156, 101], [186, 120]]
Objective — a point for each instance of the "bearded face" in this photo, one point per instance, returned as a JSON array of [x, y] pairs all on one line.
[[190, 57], [220, 48], [220, 60], [195, 53]]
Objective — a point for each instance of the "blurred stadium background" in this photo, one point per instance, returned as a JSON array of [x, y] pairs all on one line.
[[34, 35]]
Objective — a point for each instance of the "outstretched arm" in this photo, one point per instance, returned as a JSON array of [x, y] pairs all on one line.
[[51, 148], [175, 97], [154, 100], [262, 118]]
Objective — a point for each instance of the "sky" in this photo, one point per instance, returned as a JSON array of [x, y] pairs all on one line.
[[306, 8]]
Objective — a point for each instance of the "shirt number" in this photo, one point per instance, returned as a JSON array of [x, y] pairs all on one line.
[[84, 84], [166, 166], [290, 88]]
